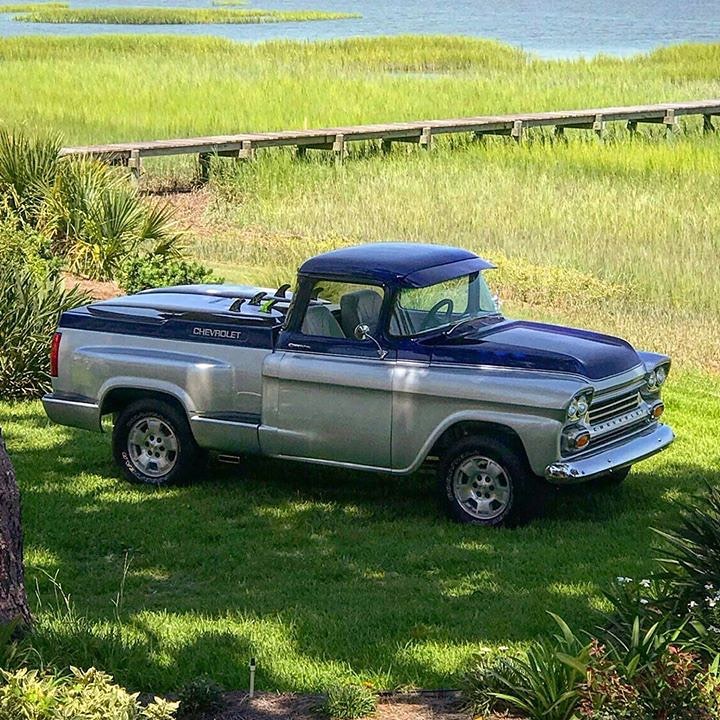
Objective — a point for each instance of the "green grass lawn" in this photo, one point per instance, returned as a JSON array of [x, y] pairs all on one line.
[[322, 574]]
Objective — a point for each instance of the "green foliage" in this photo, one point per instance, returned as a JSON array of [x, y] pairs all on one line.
[[155, 270], [199, 696], [89, 214], [28, 167], [691, 557], [29, 7], [97, 220], [350, 701], [81, 695], [31, 304], [15, 650], [173, 16], [542, 683]]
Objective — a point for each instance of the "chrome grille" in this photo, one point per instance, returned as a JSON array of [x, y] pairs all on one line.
[[602, 410]]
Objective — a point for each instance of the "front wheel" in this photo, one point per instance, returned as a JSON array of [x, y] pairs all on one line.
[[153, 444], [486, 482]]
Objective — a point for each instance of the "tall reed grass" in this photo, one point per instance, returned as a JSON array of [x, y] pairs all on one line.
[[638, 212], [172, 16]]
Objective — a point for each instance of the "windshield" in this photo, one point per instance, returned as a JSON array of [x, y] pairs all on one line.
[[460, 300]]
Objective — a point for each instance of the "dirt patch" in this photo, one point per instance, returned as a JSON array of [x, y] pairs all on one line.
[[95, 288], [410, 706], [191, 213]]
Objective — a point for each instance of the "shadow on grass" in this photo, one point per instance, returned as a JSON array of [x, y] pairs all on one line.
[[317, 572]]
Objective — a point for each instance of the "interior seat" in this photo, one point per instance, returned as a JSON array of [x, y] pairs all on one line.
[[361, 307], [320, 321]]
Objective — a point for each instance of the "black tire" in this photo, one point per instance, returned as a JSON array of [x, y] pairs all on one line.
[[616, 477], [519, 494], [175, 455]]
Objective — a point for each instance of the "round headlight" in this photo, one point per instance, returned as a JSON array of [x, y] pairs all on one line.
[[652, 380], [582, 406], [660, 375], [572, 412]]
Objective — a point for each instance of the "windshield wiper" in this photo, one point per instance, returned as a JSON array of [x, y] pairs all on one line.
[[466, 320]]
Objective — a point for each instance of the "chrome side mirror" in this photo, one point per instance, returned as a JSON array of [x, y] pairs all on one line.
[[362, 332]]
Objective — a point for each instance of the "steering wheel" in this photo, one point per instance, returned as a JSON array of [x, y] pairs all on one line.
[[434, 310]]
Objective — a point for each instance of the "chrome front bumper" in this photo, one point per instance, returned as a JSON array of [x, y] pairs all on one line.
[[639, 447]]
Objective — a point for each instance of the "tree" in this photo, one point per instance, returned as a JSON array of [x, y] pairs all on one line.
[[13, 598]]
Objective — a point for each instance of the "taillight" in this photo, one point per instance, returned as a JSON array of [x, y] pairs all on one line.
[[54, 352]]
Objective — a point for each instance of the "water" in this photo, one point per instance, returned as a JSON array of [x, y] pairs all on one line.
[[554, 28]]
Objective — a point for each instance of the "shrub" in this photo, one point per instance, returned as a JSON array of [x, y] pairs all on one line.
[[81, 695], [27, 170], [90, 214], [199, 696], [691, 560], [30, 304], [97, 219], [542, 684], [152, 270], [346, 702]]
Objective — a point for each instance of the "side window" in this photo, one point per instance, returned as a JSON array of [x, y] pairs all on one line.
[[339, 307]]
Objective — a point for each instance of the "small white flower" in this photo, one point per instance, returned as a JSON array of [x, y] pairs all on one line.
[[644, 601], [692, 605], [645, 583]]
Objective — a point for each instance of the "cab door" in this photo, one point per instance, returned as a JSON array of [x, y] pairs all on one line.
[[327, 396]]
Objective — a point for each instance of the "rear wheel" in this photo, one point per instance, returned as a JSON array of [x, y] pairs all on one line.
[[153, 444], [487, 482]]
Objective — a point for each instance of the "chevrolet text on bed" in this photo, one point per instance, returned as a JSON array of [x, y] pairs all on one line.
[[386, 355]]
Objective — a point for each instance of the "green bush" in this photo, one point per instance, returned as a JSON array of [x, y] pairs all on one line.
[[89, 213], [200, 696], [347, 702], [152, 270], [31, 301], [656, 657], [81, 695], [543, 683]]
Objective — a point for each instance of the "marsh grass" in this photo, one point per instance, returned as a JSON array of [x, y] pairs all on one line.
[[29, 7], [172, 16]]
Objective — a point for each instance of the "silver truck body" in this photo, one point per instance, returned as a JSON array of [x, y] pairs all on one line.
[[250, 383]]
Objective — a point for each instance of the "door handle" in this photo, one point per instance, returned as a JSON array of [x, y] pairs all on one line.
[[296, 346]]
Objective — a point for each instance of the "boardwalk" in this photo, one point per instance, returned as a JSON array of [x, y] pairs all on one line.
[[336, 139]]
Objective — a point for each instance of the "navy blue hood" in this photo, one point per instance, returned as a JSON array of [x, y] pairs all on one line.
[[538, 346]]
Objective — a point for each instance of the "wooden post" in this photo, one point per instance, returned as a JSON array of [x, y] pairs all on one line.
[[560, 132], [204, 165], [426, 139], [517, 131], [599, 126], [708, 126], [385, 146], [247, 151], [135, 165], [339, 149], [301, 152], [632, 126], [670, 122]]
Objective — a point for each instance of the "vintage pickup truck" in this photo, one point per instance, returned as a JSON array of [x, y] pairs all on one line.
[[385, 356]]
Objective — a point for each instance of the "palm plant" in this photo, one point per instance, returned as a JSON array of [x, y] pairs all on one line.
[[27, 169]]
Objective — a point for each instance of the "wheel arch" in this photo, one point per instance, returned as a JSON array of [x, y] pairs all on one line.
[[119, 397], [478, 428]]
